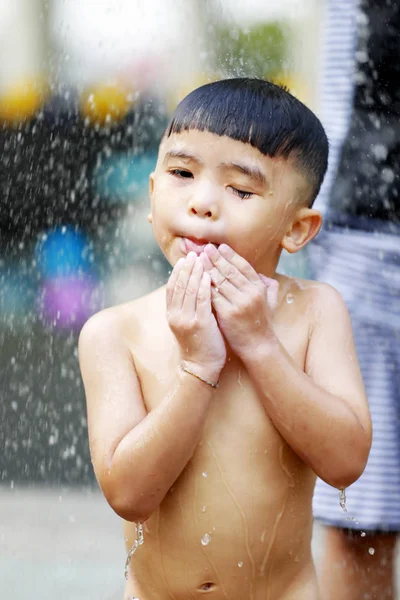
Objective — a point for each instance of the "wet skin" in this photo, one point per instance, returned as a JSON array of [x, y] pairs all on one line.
[[254, 501], [244, 486], [226, 502]]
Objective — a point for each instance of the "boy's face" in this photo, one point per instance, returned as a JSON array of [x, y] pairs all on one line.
[[210, 188]]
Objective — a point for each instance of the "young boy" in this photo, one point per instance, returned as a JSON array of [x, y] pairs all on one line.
[[215, 401]]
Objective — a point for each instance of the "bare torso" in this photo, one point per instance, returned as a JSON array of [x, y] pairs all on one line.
[[237, 523]]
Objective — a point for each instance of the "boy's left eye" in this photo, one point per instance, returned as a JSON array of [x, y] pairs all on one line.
[[241, 193]]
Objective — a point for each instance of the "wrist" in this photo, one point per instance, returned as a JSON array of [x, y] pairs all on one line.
[[209, 374], [258, 353]]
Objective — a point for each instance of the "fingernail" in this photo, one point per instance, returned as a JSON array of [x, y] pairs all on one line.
[[191, 254], [210, 249], [206, 261], [224, 247]]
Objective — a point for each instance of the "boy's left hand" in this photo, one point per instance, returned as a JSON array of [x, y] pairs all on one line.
[[244, 300]]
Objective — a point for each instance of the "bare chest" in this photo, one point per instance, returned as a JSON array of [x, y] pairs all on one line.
[[236, 412]]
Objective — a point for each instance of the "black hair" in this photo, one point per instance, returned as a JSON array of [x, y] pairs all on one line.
[[263, 114]]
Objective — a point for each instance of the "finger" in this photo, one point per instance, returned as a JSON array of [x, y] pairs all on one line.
[[224, 270], [218, 300], [239, 262], [272, 289], [182, 281], [203, 304], [207, 264], [172, 281], [192, 288], [221, 285], [216, 277]]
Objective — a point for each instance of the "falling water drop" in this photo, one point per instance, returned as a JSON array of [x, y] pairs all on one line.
[[371, 551], [363, 534], [206, 539], [342, 499], [205, 474], [138, 542], [289, 298], [240, 564], [203, 509]]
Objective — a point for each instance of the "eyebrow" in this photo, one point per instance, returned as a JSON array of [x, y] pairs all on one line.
[[250, 170], [183, 154]]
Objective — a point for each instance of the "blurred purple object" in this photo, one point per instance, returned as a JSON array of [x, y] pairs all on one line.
[[67, 302]]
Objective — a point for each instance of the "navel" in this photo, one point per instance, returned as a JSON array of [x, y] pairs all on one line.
[[208, 586]]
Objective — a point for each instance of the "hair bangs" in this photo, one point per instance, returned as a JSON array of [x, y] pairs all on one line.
[[262, 114]]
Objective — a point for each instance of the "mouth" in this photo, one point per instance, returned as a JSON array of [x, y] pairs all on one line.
[[190, 244]]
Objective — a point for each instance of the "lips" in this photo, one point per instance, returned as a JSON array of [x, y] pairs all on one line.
[[195, 245]]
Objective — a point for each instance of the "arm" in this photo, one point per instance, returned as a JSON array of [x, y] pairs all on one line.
[[324, 417], [138, 456]]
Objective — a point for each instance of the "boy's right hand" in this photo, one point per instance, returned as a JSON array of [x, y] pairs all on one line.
[[191, 319]]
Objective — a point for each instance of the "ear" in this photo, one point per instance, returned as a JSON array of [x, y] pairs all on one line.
[[151, 194], [304, 227], [151, 184]]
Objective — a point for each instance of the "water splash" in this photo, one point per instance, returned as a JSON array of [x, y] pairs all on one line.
[[342, 502], [342, 499], [206, 539], [139, 539]]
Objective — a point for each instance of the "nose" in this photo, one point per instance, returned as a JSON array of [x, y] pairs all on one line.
[[204, 204]]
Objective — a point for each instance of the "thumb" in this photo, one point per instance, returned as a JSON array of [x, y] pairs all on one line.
[[272, 286]]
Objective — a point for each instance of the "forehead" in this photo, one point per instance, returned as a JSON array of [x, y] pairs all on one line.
[[206, 145], [213, 150]]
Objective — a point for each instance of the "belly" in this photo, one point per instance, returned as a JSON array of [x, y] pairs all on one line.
[[236, 524]]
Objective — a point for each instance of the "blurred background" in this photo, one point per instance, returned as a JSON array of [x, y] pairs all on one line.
[[86, 89]]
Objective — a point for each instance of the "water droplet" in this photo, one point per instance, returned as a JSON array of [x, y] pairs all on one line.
[[205, 474], [387, 175], [371, 551], [240, 564], [206, 539], [363, 534], [138, 542], [342, 499], [203, 509], [289, 298], [380, 151]]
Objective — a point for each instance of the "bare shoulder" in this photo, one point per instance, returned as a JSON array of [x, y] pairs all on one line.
[[121, 323], [314, 296]]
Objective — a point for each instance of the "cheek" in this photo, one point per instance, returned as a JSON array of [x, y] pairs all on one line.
[[256, 233]]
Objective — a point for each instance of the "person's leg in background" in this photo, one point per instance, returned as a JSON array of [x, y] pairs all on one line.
[[358, 547], [356, 566]]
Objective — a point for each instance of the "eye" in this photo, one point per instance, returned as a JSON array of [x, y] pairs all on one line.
[[181, 174], [241, 193]]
